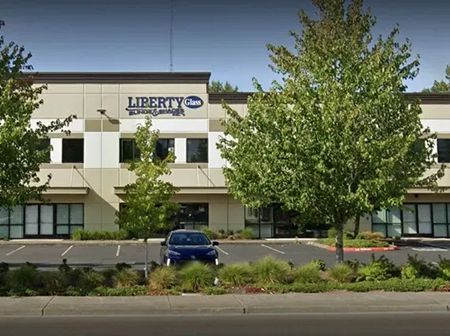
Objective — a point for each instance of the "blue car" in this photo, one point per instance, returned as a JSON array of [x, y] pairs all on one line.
[[182, 246]]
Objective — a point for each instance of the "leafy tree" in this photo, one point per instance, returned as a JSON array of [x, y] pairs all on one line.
[[148, 207], [336, 137], [23, 148], [219, 87], [442, 85]]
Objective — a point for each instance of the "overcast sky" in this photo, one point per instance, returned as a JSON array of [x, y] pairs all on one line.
[[225, 37]]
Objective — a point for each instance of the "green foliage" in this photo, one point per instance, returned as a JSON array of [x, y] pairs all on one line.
[[219, 87], [309, 273], [236, 274], [332, 233], [23, 149], [196, 276], [441, 86], [417, 268], [149, 208], [357, 243], [23, 279], [121, 291], [342, 273], [378, 270], [269, 270], [162, 279], [368, 235], [444, 265], [99, 235], [338, 134], [127, 277], [211, 234], [246, 233]]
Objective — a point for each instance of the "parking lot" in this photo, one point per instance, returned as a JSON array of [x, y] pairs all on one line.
[[106, 255]]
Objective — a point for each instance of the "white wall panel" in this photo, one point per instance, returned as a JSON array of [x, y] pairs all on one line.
[[92, 147], [56, 153], [180, 150], [167, 125], [110, 149], [214, 158], [437, 125]]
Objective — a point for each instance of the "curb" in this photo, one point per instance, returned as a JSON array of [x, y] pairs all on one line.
[[356, 249]]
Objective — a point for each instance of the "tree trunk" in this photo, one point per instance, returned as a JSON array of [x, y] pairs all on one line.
[[339, 243], [146, 258], [356, 230]]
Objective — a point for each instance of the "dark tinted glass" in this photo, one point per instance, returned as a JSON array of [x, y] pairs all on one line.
[[443, 146], [189, 238], [72, 150], [128, 150], [44, 144], [197, 150], [163, 147]]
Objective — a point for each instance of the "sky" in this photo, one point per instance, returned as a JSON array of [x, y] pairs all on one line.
[[225, 37]]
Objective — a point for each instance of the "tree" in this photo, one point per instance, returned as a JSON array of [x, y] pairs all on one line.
[[219, 87], [336, 137], [148, 207], [442, 85], [23, 148]]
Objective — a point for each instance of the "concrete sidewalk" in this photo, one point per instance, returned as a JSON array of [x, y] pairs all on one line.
[[337, 302]]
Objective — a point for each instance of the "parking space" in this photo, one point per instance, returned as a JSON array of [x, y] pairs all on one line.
[[106, 255]]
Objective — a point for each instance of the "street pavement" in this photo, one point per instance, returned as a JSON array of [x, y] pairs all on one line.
[[107, 254]]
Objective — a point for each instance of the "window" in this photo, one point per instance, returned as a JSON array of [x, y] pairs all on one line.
[[193, 216], [443, 147], [388, 222], [72, 150], [164, 147], [130, 152], [69, 218], [44, 144], [197, 150]]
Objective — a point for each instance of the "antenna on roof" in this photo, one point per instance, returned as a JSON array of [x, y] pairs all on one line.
[[171, 36]]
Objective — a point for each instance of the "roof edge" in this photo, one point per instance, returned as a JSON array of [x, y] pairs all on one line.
[[119, 77]]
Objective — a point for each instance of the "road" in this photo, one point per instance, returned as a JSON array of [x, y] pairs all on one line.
[[106, 255], [304, 324]]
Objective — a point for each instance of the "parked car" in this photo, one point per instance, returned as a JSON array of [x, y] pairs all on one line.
[[188, 245]]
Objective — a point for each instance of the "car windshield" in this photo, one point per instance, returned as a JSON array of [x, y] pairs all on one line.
[[189, 238]]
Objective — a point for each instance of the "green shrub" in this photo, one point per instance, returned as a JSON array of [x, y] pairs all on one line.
[[123, 291], [90, 280], [444, 265], [269, 271], [211, 234], [23, 279], [332, 233], [246, 233], [309, 273], [356, 243], [100, 235], [368, 235], [162, 279], [236, 274], [418, 268], [342, 273], [4, 268], [127, 277], [110, 277], [379, 269], [196, 276], [54, 283]]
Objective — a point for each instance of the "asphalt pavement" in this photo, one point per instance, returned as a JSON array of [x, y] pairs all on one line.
[[107, 254]]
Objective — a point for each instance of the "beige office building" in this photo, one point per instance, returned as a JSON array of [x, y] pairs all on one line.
[[89, 167]]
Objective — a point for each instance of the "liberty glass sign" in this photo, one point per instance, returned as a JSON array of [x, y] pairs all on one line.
[[155, 106]]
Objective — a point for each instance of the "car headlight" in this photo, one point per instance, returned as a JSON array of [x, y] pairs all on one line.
[[174, 253], [211, 253]]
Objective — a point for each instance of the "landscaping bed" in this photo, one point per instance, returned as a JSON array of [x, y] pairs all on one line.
[[268, 275]]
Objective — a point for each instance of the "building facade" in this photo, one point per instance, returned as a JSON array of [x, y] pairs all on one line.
[[89, 166]]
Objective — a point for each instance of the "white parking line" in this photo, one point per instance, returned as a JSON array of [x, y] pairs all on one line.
[[118, 251], [64, 253], [273, 249], [224, 252], [14, 251], [429, 249]]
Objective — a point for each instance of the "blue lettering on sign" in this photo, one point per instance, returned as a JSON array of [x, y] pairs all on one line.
[[162, 105], [193, 102]]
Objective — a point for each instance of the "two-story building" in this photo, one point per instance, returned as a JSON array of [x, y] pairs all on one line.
[[89, 167]]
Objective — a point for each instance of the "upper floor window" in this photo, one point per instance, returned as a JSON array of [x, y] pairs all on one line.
[[44, 144], [129, 150], [72, 150], [443, 147], [197, 150]]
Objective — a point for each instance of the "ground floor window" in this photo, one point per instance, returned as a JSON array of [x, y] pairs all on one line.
[[271, 221], [193, 216], [41, 220], [420, 219]]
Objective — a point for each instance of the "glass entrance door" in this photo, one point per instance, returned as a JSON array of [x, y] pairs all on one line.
[[46, 222], [31, 220], [424, 219]]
